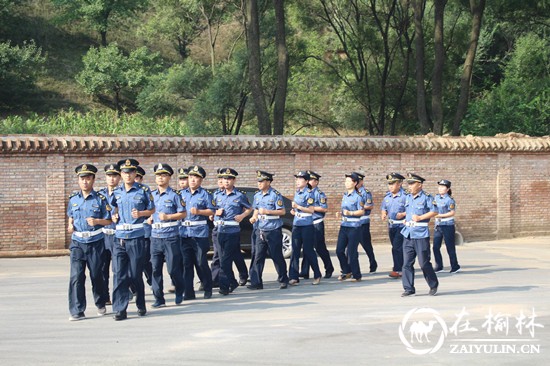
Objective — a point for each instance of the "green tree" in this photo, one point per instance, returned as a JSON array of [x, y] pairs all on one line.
[[177, 21], [521, 103], [98, 14], [108, 71], [19, 69]]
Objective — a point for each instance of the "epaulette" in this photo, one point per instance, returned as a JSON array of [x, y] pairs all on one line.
[[101, 196], [74, 193], [144, 187], [427, 194], [407, 191], [276, 191], [178, 191], [243, 192], [154, 190]]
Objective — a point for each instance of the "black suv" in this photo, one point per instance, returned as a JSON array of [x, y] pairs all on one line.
[[246, 226]]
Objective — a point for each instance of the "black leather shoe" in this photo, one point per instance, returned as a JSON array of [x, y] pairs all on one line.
[[407, 293], [305, 276], [233, 287], [223, 292], [328, 274], [121, 315], [255, 287], [207, 294], [142, 312], [242, 282], [283, 285], [433, 291], [187, 298]]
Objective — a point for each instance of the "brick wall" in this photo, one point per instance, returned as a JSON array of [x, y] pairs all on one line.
[[501, 184]]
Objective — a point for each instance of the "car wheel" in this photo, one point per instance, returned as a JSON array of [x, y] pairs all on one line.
[[287, 243]]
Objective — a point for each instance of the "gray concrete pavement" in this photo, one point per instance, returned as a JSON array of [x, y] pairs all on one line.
[[336, 323]]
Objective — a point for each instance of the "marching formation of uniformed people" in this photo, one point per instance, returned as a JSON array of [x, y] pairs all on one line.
[[113, 226]]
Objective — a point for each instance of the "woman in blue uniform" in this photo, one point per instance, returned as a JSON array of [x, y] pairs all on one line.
[[445, 227], [350, 230]]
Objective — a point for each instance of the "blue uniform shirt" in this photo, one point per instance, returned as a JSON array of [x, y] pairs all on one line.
[[110, 200], [394, 205], [168, 202], [418, 205], [352, 202], [445, 204], [319, 200], [233, 204], [202, 200], [271, 200], [367, 198], [303, 198], [79, 209], [139, 197]]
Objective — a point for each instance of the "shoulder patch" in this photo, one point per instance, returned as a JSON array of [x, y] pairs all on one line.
[[279, 202], [323, 200], [183, 202], [452, 206], [213, 202], [108, 207], [151, 197], [310, 201], [369, 201]]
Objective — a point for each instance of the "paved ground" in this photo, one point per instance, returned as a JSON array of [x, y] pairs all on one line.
[[336, 323]]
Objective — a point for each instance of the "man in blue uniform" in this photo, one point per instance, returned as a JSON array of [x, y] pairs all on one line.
[[393, 210], [302, 229], [268, 208], [112, 178], [134, 202], [420, 208], [88, 212], [215, 263], [320, 207], [148, 269], [366, 240], [232, 207], [165, 239], [194, 239]]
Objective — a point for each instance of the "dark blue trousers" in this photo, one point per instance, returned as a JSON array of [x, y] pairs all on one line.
[[229, 247], [271, 240], [303, 236], [411, 249], [366, 243], [215, 263], [348, 241], [128, 262], [446, 232], [166, 250], [396, 239], [194, 251], [320, 248], [83, 255], [106, 264]]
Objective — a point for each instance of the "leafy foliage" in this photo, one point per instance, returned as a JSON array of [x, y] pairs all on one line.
[[19, 68], [108, 71]]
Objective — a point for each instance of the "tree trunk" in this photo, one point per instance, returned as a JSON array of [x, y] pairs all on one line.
[[476, 7], [439, 62], [103, 38], [420, 89], [282, 69], [254, 65]]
